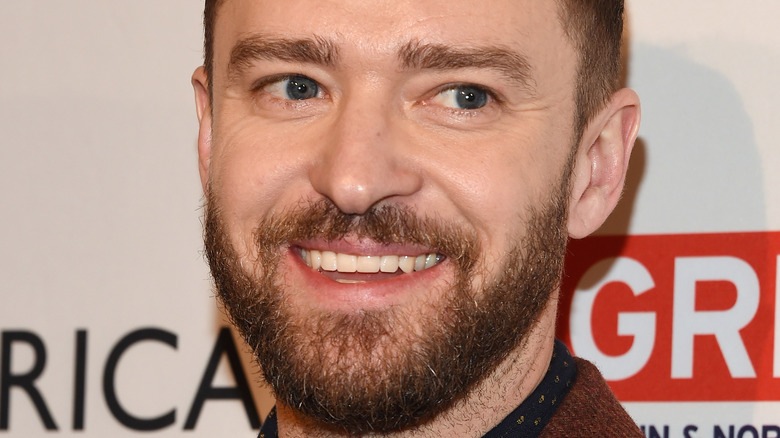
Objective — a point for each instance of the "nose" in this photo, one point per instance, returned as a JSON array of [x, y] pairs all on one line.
[[364, 159]]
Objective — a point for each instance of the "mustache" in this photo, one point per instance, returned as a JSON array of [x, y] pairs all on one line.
[[385, 224]]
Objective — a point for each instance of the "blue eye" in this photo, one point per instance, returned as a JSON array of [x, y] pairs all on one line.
[[296, 87], [301, 88], [465, 97]]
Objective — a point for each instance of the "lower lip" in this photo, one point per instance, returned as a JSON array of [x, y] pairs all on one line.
[[333, 295]]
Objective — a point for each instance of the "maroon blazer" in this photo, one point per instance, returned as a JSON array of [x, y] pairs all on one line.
[[590, 410]]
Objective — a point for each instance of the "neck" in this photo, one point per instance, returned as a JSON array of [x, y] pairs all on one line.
[[480, 410]]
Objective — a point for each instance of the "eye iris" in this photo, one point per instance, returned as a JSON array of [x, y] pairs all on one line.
[[301, 88], [470, 98]]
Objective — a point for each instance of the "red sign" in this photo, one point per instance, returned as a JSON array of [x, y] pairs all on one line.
[[677, 317]]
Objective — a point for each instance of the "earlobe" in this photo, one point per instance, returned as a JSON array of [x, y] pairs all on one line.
[[601, 163], [203, 110]]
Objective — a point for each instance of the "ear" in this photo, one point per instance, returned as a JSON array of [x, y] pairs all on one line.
[[203, 109], [601, 163]]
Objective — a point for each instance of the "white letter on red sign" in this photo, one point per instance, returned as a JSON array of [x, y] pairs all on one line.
[[724, 324], [639, 324]]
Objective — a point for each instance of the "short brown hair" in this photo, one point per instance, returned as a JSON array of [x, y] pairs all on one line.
[[595, 28], [209, 21]]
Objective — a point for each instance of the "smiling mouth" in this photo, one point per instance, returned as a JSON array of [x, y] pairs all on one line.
[[342, 265]]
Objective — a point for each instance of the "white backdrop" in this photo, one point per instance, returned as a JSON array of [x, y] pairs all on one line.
[[100, 204]]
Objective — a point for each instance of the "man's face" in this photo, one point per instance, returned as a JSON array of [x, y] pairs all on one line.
[[429, 139]]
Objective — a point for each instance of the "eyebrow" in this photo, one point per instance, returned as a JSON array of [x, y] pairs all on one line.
[[259, 47], [424, 56], [413, 55]]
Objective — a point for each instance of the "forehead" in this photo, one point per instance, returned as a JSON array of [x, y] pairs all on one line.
[[370, 31]]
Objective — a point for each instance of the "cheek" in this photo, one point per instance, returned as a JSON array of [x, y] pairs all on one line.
[[254, 171], [492, 182]]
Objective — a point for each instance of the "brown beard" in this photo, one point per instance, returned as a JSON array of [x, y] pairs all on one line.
[[366, 371]]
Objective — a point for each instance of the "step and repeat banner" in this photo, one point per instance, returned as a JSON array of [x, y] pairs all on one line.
[[109, 325]]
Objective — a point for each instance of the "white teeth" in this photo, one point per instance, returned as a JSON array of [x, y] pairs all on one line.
[[316, 259], [406, 263], [368, 264], [329, 262], [333, 261], [430, 260], [389, 263], [346, 262], [419, 262]]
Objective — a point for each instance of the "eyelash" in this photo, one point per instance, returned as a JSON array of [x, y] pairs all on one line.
[[451, 86], [261, 83]]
